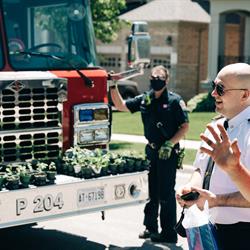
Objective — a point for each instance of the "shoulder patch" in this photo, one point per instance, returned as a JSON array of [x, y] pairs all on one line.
[[183, 105], [217, 117]]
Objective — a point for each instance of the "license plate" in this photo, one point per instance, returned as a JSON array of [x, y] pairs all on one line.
[[90, 196]]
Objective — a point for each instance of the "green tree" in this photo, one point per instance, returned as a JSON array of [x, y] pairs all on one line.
[[105, 18]]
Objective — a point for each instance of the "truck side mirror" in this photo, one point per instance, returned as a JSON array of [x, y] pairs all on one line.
[[139, 45]]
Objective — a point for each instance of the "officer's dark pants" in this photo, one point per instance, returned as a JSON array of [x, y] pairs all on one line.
[[162, 175]]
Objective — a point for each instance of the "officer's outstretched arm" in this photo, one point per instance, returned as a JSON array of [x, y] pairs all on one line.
[[117, 99]]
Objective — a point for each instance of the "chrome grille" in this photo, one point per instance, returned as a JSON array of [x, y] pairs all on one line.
[[30, 119], [26, 146], [29, 108]]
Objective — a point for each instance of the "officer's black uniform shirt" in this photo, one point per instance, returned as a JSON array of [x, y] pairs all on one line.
[[169, 109]]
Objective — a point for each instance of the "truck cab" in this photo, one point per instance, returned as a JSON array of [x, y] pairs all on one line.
[[54, 97], [54, 40]]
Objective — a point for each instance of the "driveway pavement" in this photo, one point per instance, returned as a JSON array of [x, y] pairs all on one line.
[[141, 139]]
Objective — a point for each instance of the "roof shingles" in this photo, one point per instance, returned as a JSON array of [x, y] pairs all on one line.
[[168, 10]]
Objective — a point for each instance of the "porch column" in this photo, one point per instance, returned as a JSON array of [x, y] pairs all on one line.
[[213, 45]]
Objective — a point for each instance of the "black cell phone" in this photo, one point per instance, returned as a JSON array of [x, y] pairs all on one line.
[[191, 196]]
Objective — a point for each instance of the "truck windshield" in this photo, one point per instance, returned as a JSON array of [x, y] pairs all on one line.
[[1, 54], [61, 29]]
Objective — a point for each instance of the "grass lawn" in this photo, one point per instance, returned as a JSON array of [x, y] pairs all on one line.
[[139, 148], [126, 123]]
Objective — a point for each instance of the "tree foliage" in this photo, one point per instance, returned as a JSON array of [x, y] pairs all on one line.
[[105, 18], [203, 102], [104, 13]]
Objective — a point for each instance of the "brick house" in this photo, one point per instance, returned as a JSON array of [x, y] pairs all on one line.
[[179, 41], [229, 34]]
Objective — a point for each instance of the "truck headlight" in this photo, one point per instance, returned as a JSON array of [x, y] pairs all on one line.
[[85, 136], [93, 135], [91, 123], [102, 134]]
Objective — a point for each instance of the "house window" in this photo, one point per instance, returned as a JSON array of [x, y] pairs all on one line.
[[110, 61], [165, 61]]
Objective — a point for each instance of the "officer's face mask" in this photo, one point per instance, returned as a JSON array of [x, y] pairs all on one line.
[[157, 83]]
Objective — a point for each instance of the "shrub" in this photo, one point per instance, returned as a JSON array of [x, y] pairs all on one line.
[[202, 102]]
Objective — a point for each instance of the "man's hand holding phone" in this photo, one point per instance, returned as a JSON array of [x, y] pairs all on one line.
[[191, 196], [197, 196]]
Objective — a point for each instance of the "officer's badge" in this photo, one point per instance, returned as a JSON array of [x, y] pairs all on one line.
[[183, 105]]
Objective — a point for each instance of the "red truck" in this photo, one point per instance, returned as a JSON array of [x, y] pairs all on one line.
[[53, 97]]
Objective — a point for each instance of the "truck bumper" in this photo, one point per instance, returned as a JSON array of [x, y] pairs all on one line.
[[71, 196]]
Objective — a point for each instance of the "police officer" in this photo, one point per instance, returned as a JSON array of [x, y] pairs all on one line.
[[165, 123]]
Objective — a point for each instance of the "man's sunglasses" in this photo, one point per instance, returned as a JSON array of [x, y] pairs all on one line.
[[220, 89]]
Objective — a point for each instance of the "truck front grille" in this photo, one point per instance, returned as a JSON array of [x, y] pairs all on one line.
[[30, 119], [29, 108], [33, 145]]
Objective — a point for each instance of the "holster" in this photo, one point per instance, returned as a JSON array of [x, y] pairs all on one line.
[[180, 152]]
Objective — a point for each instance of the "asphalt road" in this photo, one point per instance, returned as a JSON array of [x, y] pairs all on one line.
[[119, 230]]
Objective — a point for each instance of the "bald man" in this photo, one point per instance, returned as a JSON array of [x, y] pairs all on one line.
[[227, 141]]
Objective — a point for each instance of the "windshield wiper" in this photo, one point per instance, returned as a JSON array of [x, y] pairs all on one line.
[[89, 83]]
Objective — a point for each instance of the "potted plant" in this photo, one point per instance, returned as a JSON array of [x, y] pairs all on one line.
[[86, 172], [79, 160], [145, 164], [104, 170], [2, 179], [115, 165], [40, 178], [129, 166], [77, 170], [39, 175], [51, 173], [138, 163], [69, 160], [121, 166], [12, 181], [99, 165], [70, 169], [12, 177], [25, 176], [41, 166]]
